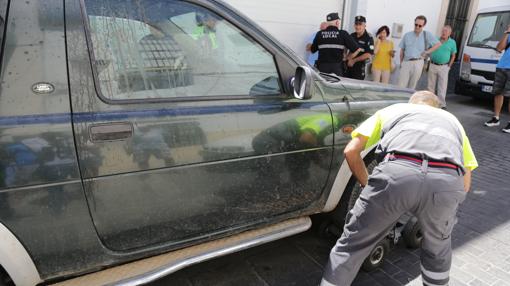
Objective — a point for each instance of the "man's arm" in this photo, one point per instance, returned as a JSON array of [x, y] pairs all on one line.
[[452, 59], [434, 47], [503, 42], [352, 154], [363, 57], [401, 55], [467, 180]]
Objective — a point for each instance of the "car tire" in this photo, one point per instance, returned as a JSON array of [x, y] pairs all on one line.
[[356, 189], [459, 88], [412, 234], [5, 280], [376, 256]]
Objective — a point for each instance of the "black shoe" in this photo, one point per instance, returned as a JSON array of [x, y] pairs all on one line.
[[493, 122], [507, 128]]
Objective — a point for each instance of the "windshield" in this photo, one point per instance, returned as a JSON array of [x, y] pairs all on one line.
[[488, 29]]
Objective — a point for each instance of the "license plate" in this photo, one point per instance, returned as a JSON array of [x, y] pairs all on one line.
[[487, 88]]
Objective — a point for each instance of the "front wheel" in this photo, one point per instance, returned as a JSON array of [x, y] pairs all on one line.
[[356, 189]]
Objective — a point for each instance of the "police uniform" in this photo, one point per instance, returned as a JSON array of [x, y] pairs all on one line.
[[331, 43], [425, 152], [366, 43]]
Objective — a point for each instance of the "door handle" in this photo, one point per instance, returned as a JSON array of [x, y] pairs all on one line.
[[111, 131]]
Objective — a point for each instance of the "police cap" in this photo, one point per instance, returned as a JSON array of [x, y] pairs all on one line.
[[332, 17], [360, 19]]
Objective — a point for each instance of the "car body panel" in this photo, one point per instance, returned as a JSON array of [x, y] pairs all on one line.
[[182, 173]]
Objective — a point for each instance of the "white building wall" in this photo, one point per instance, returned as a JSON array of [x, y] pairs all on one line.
[[491, 3], [387, 12], [291, 22]]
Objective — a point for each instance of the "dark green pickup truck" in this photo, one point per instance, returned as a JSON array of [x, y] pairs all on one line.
[[140, 137]]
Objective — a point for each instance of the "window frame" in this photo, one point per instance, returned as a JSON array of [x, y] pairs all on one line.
[[3, 32], [212, 9]]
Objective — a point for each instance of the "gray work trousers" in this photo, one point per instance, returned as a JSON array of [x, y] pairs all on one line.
[[396, 187]]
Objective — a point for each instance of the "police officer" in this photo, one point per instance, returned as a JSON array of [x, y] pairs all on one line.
[[426, 171], [356, 66], [330, 43]]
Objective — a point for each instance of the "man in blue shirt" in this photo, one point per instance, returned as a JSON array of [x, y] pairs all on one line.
[[414, 48], [502, 81]]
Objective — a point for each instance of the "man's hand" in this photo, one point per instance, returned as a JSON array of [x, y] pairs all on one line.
[[352, 154], [350, 63], [308, 47]]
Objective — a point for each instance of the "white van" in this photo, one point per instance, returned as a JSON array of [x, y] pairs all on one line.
[[480, 57]]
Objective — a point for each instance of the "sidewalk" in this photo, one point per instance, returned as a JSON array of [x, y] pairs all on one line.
[[481, 239]]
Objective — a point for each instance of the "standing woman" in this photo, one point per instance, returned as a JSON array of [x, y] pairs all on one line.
[[383, 54]]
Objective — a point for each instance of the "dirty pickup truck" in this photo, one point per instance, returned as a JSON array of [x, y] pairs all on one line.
[[140, 137]]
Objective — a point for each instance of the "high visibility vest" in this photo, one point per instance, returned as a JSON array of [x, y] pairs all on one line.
[[200, 32]]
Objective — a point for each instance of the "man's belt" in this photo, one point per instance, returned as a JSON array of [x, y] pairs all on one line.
[[414, 59], [418, 160], [438, 64]]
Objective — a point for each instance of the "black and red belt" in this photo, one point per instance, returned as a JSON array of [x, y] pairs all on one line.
[[431, 163]]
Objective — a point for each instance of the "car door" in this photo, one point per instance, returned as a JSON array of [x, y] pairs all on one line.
[[184, 125]]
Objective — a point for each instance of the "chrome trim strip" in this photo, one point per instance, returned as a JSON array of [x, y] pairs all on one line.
[[39, 186], [183, 263]]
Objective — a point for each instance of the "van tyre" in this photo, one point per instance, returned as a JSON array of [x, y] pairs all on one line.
[[412, 233], [376, 256]]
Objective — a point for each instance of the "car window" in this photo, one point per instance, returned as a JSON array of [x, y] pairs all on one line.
[[172, 49], [488, 29]]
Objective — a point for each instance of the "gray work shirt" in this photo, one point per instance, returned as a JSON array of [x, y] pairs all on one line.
[[418, 130]]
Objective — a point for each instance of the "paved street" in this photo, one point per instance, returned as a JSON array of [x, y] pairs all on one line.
[[481, 239]]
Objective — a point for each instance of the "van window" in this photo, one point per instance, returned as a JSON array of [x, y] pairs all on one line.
[[172, 49], [488, 29]]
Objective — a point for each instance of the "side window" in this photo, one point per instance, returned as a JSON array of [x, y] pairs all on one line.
[[171, 49]]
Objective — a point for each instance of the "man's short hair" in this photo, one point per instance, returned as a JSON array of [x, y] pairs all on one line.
[[421, 17], [424, 97], [448, 27]]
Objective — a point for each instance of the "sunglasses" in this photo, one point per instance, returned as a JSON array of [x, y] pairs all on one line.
[[418, 25]]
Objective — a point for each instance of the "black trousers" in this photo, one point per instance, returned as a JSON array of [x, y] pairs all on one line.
[[356, 72], [336, 68]]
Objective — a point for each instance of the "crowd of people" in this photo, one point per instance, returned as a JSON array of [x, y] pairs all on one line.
[[333, 50]]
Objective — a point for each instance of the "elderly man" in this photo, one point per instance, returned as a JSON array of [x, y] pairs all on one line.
[[426, 171], [440, 62], [414, 48], [330, 43]]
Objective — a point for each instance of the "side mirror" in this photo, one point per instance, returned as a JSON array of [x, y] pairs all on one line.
[[303, 83]]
